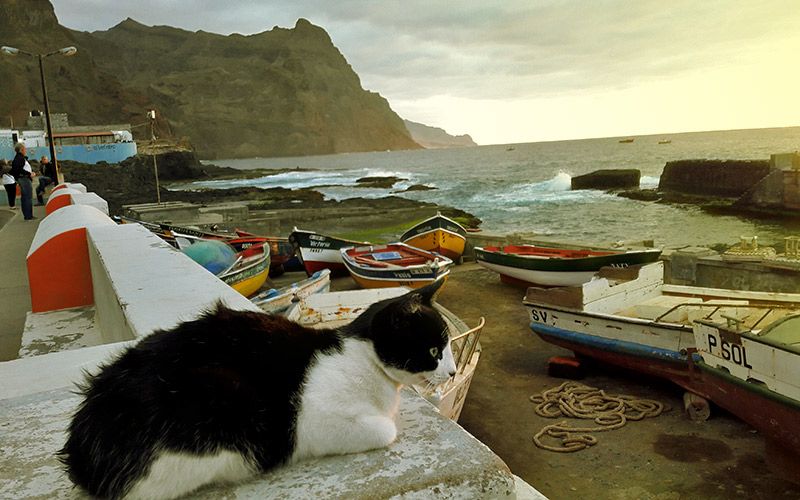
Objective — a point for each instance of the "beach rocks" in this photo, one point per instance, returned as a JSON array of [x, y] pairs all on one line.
[[608, 179], [380, 182], [417, 187]]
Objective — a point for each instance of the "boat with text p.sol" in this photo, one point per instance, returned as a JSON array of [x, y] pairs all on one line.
[[631, 318], [754, 373]]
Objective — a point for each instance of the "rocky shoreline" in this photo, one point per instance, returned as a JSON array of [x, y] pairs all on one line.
[[751, 188], [133, 182]]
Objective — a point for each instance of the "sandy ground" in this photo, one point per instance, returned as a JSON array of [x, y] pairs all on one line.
[[667, 457]]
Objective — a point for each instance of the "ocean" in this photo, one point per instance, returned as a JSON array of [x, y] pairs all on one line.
[[526, 187]]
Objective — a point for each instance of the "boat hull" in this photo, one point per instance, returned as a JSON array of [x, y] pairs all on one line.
[[250, 279], [550, 270], [387, 282], [277, 301], [775, 416], [662, 363], [656, 349], [438, 234], [522, 277], [405, 266], [318, 251], [754, 376]]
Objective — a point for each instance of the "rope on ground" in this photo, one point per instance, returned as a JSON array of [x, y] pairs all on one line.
[[576, 400]]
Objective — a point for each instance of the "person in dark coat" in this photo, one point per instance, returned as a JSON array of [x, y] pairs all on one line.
[[23, 173], [47, 177]]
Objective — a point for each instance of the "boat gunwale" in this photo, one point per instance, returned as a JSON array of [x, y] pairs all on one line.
[[439, 216], [559, 264]]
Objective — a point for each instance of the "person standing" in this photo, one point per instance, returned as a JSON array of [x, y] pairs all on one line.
[[9, 184], [23, 173], [47, 177]]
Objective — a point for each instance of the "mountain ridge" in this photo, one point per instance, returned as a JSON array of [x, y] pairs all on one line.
[[435, 137], [281, 92]]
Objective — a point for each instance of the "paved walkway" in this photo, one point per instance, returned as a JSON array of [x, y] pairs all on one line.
[[16, 236]]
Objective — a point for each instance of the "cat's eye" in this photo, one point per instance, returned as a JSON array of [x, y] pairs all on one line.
[[434, 352]]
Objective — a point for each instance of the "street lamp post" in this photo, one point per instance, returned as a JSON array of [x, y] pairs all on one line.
[[66, 52]]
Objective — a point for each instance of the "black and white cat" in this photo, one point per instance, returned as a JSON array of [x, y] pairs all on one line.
[[234, 393]]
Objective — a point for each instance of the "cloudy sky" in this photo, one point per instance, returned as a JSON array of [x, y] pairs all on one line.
[[508, 71]]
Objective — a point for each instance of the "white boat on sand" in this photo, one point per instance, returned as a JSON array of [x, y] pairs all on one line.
[[335, 309], [631, 318]]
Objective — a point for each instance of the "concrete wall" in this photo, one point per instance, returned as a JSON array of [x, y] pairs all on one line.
[[705, 268], [729, 178], [141, 284]]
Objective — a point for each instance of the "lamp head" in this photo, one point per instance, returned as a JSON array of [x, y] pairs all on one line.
[[68, 51], [9, 51]]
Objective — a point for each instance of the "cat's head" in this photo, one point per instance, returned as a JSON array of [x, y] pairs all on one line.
[[410, 337]]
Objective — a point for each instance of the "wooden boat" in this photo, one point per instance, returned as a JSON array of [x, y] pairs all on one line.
[[665, 141], [318, 251], [630, 318], [333, 310], [395, 264], [279, 300], [249, 273], [556, 265], [282, 254], [245, 270], [438, 234], [281, 251], [754, 373], [626, 141]]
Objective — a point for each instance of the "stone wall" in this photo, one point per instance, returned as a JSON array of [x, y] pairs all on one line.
[[726, 178]]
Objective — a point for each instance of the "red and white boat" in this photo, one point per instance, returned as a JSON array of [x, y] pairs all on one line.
[[395, 264]]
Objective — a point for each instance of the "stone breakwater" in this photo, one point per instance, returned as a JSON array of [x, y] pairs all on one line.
[[725, 178]]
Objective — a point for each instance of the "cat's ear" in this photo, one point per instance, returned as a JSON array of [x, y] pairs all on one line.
[[413, 301], [428, 293]]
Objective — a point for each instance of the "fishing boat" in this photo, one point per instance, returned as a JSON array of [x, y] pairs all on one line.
[[665, 141], [754, 372], [630, 318], [244, 270], [282, 256], [318, 251], [336, 309], [438, 234], [278, 300], [395, 264], [556, 265], [282, 253], [626, 141], [250, 271]]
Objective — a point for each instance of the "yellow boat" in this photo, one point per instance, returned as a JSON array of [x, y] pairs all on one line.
[[438, 234], [249, 273]]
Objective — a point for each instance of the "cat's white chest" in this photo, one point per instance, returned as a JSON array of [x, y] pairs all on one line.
[[347, 405]]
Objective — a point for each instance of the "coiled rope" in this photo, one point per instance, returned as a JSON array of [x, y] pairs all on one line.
[[575, 400]]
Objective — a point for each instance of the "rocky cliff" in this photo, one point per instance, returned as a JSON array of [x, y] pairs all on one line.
[[282, 92], [434, 137]]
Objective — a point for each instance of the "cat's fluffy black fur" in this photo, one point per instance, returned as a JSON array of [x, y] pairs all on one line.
[[230, 380]]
